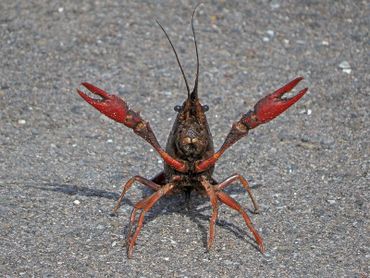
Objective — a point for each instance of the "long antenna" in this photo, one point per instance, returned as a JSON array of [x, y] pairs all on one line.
[[194, 93], [177, 58]]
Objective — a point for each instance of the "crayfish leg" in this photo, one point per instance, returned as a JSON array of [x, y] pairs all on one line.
[[232, 203], [230, 180], [129, 183], [213, 198], [144, 205]]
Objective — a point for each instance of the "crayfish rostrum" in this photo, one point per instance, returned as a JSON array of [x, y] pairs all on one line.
[[189, 157]]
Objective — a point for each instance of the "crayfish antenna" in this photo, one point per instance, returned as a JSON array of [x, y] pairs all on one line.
[[194, 93], [177, 57]]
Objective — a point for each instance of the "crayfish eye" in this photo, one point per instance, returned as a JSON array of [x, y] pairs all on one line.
[[205, 108], [177, 108]]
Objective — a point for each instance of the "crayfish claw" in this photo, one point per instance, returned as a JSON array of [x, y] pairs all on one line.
[[110, 105], [272, 105], [286, 88], [97, 91], [286, 103], [88, 99]]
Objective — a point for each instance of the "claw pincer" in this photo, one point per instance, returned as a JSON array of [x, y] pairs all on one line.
[[112, 106], [272, 105]]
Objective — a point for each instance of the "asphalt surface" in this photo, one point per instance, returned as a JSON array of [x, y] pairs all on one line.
[[62, 163]]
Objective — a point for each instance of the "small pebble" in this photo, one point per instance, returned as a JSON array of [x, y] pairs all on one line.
[[76, 202], [114, 243], [344, 65], [271, 33], [109, 141], [274, 4], [348, 71], [325, 43], [122, 89], [60, 9], [331, 202], [265, 39], [21, 122], [100, 227]]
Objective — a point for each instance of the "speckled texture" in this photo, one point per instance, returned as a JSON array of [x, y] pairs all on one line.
[[62, 164]]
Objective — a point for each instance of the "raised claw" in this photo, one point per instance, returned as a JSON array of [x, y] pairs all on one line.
[[272, 105], [110, 105], [117, 109]]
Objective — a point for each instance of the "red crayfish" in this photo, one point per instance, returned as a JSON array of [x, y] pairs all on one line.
[[189, 158]]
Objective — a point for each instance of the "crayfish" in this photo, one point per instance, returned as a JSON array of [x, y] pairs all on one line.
[[189, 157]]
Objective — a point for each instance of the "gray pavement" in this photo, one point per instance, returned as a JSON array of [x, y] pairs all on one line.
[[62, 163]]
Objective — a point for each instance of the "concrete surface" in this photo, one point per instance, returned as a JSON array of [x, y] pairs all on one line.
[[62, 163]]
